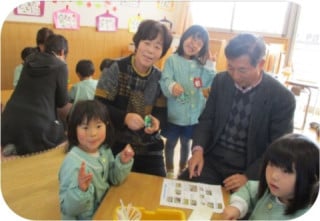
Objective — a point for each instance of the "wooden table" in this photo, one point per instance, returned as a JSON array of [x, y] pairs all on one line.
[[141, 190]]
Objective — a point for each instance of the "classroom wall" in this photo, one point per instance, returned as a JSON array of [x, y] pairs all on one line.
[[19, 31], [84, 43], [87, 43], [88, 10]]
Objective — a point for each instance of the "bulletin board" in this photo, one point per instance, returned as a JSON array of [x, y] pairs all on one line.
[[33, 8], [42, 11]]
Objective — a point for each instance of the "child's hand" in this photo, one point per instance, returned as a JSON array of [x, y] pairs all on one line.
[[126, 154], [177, 90], [230, 213], [213, 57], [84, 179], [206, 92]]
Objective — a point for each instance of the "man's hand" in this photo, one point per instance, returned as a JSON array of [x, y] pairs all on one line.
[[195, 163]]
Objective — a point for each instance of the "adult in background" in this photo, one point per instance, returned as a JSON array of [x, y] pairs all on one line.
[[130, 89], [246, 110], [30, 122], [42, 34]]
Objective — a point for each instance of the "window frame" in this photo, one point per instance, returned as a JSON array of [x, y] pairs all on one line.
[[285, 27]]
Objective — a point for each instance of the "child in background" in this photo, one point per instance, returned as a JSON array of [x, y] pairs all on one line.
[[289, 182], [186, 77], [85, 89], [90, 167], [105, 63], [17, 71]]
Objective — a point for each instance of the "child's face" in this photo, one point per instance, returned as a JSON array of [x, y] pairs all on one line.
[[91, 135], [192, 46], [281, 183], [147, 53]]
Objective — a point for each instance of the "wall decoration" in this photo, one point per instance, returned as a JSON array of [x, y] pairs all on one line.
[[166, 5], [89, 4], [106, 22], [125, 10], [33, 8], [66, 19], [167, 23], [134, 23], [130, 3]]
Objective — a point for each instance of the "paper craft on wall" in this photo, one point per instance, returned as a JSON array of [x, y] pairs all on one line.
[[166, 4], [130, 3], [106, 22], [66, 19], [34, 8], [167, 23], [134, 23]]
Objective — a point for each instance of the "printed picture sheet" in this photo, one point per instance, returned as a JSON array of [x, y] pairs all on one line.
[[184, 194]]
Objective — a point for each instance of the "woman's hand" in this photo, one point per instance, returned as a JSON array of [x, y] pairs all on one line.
[[155, 126], [134, 121]]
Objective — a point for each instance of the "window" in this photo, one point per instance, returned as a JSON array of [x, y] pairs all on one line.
[[305, 58], [262, 17]]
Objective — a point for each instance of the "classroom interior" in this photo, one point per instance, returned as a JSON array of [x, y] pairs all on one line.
[[87, 43]]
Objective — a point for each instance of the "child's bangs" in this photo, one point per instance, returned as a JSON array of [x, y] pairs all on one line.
[[91, 112], [200, 35], [280, 158]]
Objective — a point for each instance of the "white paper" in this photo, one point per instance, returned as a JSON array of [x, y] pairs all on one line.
[[190, 195], [201, 213]]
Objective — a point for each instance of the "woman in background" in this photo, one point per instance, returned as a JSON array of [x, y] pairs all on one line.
[[30, 122]]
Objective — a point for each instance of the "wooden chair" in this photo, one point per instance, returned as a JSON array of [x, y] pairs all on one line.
[[30, 185]]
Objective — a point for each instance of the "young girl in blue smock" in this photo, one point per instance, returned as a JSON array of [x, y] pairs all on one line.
[[89, 168], [288, 186], [185, 81]]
